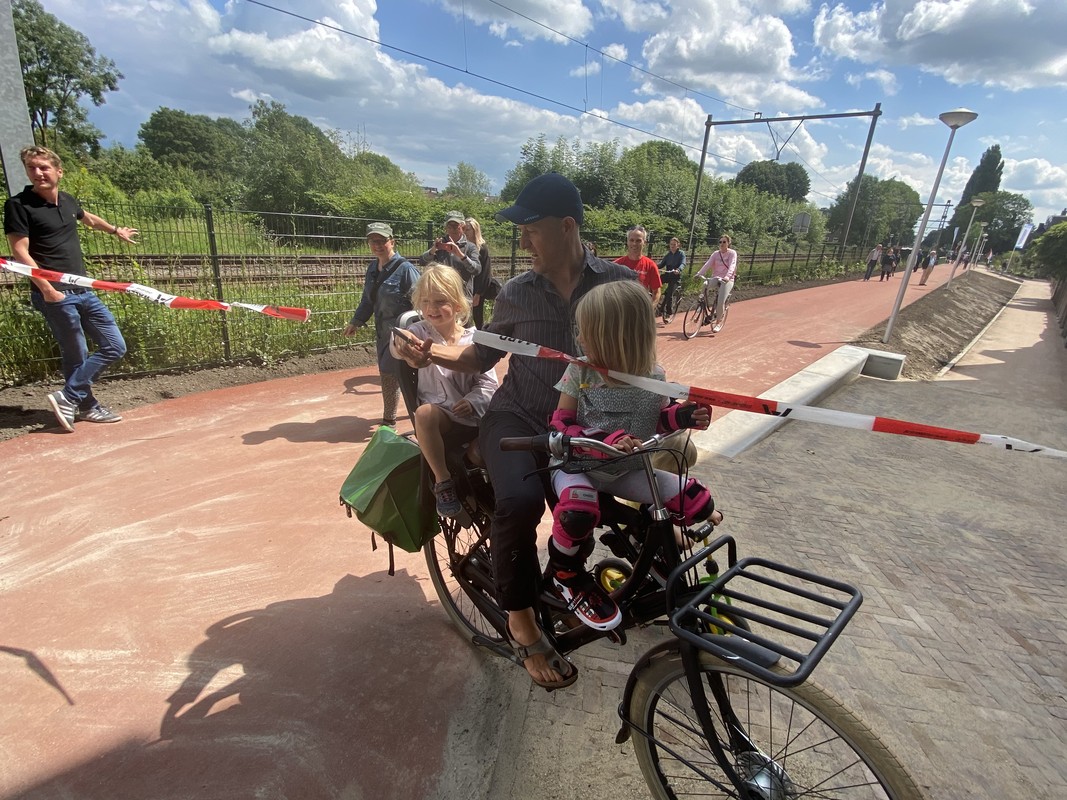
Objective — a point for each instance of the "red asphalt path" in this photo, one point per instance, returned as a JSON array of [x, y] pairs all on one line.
[[186, 611]]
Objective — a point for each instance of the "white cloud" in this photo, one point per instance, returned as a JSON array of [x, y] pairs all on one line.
[[916, 121], [591, 68], [638, 15], [962, 41], [617, 51], [569, 16], [884, 78]]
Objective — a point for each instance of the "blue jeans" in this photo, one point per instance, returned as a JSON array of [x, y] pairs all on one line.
[[70, 320]]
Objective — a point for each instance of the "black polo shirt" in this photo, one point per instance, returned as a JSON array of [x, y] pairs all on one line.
[[51, 228]]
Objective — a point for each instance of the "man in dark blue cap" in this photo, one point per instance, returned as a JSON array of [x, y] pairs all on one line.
[[537, 306]]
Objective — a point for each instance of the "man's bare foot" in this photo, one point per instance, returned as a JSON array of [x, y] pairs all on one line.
[[523, 628]]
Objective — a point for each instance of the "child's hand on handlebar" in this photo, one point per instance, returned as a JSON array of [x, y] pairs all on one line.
[[627, 443]]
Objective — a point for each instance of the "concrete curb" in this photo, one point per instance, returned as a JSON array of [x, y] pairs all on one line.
[[737, 431], [952, 364]]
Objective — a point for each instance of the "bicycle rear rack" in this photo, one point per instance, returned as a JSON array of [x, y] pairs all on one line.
[[787, 613]]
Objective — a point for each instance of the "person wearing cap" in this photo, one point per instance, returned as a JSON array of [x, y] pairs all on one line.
[[386, 295], [536, 306], [456, 251]]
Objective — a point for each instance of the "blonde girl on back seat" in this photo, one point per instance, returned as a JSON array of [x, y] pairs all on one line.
[[450, 403]]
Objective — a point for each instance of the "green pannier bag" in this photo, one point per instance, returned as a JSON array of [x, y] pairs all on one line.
[[390, 493]]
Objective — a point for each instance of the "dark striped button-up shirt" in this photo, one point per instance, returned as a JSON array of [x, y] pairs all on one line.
[[530, 308]]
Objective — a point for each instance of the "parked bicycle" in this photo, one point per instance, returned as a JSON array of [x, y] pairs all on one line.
[[725, 707], [672, 295], [703, 312]]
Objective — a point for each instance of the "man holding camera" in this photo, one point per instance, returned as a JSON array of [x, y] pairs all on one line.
[[454, 250]]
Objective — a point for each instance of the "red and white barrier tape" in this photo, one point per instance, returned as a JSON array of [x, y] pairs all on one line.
[[760, 405], [152, 295]]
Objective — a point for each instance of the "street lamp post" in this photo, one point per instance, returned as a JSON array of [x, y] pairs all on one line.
[[975, 205], [954, 119]]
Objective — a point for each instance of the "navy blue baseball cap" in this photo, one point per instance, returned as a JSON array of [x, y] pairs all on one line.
[[548, 195]]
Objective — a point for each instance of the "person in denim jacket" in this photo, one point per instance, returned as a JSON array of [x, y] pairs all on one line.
[[386, 295]]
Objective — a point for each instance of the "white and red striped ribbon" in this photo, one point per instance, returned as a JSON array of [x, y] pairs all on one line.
[[152, 295], [761, 405]]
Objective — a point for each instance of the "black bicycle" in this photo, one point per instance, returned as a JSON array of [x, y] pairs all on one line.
[[672, 295], [723, 709], [703, 312]]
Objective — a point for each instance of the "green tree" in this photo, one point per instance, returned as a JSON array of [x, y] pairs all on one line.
[[887, 210], [466, 180], [1050, 251], [195, 141], [789, 180], [59, 68], [598, 176], [986, 176], [288, 160], [648, 167], [1005, 214]]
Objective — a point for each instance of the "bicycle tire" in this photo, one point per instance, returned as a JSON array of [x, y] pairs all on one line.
[[823, 751], [694, 319], [442, 552]]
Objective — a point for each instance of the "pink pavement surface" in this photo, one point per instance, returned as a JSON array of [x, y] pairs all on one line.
[[187, 612]]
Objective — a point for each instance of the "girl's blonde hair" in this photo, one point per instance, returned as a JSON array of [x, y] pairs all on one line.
[[618, 327], [478, 240], [442, 279]]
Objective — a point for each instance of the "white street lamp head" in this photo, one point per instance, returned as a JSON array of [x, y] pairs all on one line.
[[957, 117], [977, 203]]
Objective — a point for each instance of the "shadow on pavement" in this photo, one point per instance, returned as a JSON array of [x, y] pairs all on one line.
[[297, 699], [333, 430]]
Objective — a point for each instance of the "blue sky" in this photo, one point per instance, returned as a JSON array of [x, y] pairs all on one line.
[[480, 77]]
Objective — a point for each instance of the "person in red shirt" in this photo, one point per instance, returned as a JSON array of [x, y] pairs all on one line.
[[647, 270]]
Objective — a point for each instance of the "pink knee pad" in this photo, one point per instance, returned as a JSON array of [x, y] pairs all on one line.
[[575, 516], [694, 503]]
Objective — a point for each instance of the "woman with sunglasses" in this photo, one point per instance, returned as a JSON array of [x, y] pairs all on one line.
[[723, 266]]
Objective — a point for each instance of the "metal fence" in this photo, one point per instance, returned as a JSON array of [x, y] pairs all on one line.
[[306, 261]]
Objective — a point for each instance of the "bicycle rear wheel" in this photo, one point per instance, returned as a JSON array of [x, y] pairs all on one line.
[[806, 743], [694, 319], [463, 550]]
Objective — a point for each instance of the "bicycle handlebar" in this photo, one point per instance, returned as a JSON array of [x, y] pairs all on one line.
[[559, 445]]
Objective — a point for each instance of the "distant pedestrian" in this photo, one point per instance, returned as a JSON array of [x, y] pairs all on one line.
[[886, 264], [454, 250], [647, 270], [920, 260], [41, 224], [931, 262], [873, 258], [472, 230]]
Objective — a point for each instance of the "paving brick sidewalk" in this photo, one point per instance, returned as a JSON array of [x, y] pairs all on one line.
[[958, 656]]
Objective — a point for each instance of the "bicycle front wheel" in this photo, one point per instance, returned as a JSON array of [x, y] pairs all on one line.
[[461, 566], [801, 741], [694, 319]]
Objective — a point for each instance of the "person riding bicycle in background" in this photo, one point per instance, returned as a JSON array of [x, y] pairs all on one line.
[[595, 406], [723, 266], [671, 266], [536, 306], [450, 403], [647, 270]]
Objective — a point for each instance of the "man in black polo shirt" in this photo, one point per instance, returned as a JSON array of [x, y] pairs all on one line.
[[41, 224]]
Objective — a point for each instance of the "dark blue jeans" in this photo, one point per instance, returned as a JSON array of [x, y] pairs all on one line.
[[71, 320]]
